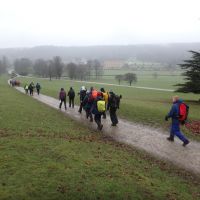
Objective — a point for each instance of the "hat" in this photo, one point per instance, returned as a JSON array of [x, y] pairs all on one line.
[[83, 88]]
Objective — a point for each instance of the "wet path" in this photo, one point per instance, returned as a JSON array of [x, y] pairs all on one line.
[[143, 137]]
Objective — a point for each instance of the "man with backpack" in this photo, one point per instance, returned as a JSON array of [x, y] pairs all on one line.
[[98, 108], [71, 95], [87, 105], [38, 87], [26, 88], [113, 105], [105, 98], [31, 88], [82, 94], [62, 98], [178, 113]]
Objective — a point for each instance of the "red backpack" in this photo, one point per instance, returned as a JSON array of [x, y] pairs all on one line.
[[183, 112], [94, 94]]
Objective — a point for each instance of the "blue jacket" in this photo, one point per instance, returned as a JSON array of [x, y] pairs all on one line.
[[174, 112]]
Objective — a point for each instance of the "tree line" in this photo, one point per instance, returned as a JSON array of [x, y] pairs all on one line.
[[55, 67]]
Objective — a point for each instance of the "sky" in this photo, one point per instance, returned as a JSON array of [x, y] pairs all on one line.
[[28, 23]]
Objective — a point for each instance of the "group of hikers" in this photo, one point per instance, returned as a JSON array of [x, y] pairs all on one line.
[[30, 88], [14, 82], [95, 103]]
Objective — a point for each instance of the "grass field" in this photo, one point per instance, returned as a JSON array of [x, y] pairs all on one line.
[[164, 79], [45, 155], [138, 105]]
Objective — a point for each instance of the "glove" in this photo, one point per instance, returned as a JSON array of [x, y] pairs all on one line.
[[166, 118]]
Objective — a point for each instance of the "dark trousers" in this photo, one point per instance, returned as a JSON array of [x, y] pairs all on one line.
[[97, 119], [38, 91], [31, 92], [71, 102], [89, 114], [63, 101], [113, 116], [80, 108]]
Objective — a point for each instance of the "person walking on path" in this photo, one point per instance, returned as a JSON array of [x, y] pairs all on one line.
[[105, 98], [82, 94], [62, 98], [87, 105], [97, 112], [31, 88], [71, 95], [113, 105], [38, 88], [175, 126], [26, 88]]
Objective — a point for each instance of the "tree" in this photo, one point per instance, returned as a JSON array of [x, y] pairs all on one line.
[[98, 68], [71, 69], [41, 68], [23, 66], [119, 78], [58, 66], [192, 74], [130, 77]]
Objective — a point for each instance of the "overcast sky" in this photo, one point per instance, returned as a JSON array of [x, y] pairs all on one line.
[[26, 23]]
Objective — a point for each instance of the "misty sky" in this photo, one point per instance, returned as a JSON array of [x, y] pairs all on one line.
[[26, 23]]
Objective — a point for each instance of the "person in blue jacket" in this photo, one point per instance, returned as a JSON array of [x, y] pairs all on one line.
[[175, 126]]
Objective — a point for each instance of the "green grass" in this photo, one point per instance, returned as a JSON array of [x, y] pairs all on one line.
[[45, 155], [138, 105]]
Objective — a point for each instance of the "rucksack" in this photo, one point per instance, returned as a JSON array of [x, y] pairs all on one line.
[[62, 95], [183, 112], [101, 106], [94, 94]]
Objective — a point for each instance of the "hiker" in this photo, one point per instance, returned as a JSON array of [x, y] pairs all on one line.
[[26, 88], [62, 98], [105, 98], [82, 94], [113, 105], [31, 88], [175, 126], [71, 95], [87, 105], [98, 108], [38, 87]]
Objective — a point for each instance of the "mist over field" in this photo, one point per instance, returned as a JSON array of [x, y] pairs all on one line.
[[173, 53]]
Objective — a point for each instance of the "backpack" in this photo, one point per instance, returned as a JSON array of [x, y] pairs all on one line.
[[94, 94], [101, 106], [183, 112], [71, 93], [62, 95]]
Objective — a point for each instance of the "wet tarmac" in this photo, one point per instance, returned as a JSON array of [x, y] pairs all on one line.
[[147, 138]]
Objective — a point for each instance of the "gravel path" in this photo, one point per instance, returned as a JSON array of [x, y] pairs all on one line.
[[143, 137]]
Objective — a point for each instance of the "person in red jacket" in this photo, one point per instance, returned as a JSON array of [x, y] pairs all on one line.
[[62, 98]]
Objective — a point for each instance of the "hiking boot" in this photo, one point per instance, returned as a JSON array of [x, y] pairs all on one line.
[[185, 143], [170, 139], [113, 124]]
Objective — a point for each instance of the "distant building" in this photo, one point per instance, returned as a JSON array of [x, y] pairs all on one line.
[[113, 64]]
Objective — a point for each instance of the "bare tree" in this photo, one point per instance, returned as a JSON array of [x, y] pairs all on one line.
[[58, 66], [23, 66], [130, 77], [71, 69], [119, 78], [40, 67]]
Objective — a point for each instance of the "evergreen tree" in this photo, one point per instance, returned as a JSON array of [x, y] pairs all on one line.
[[192, 74]]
